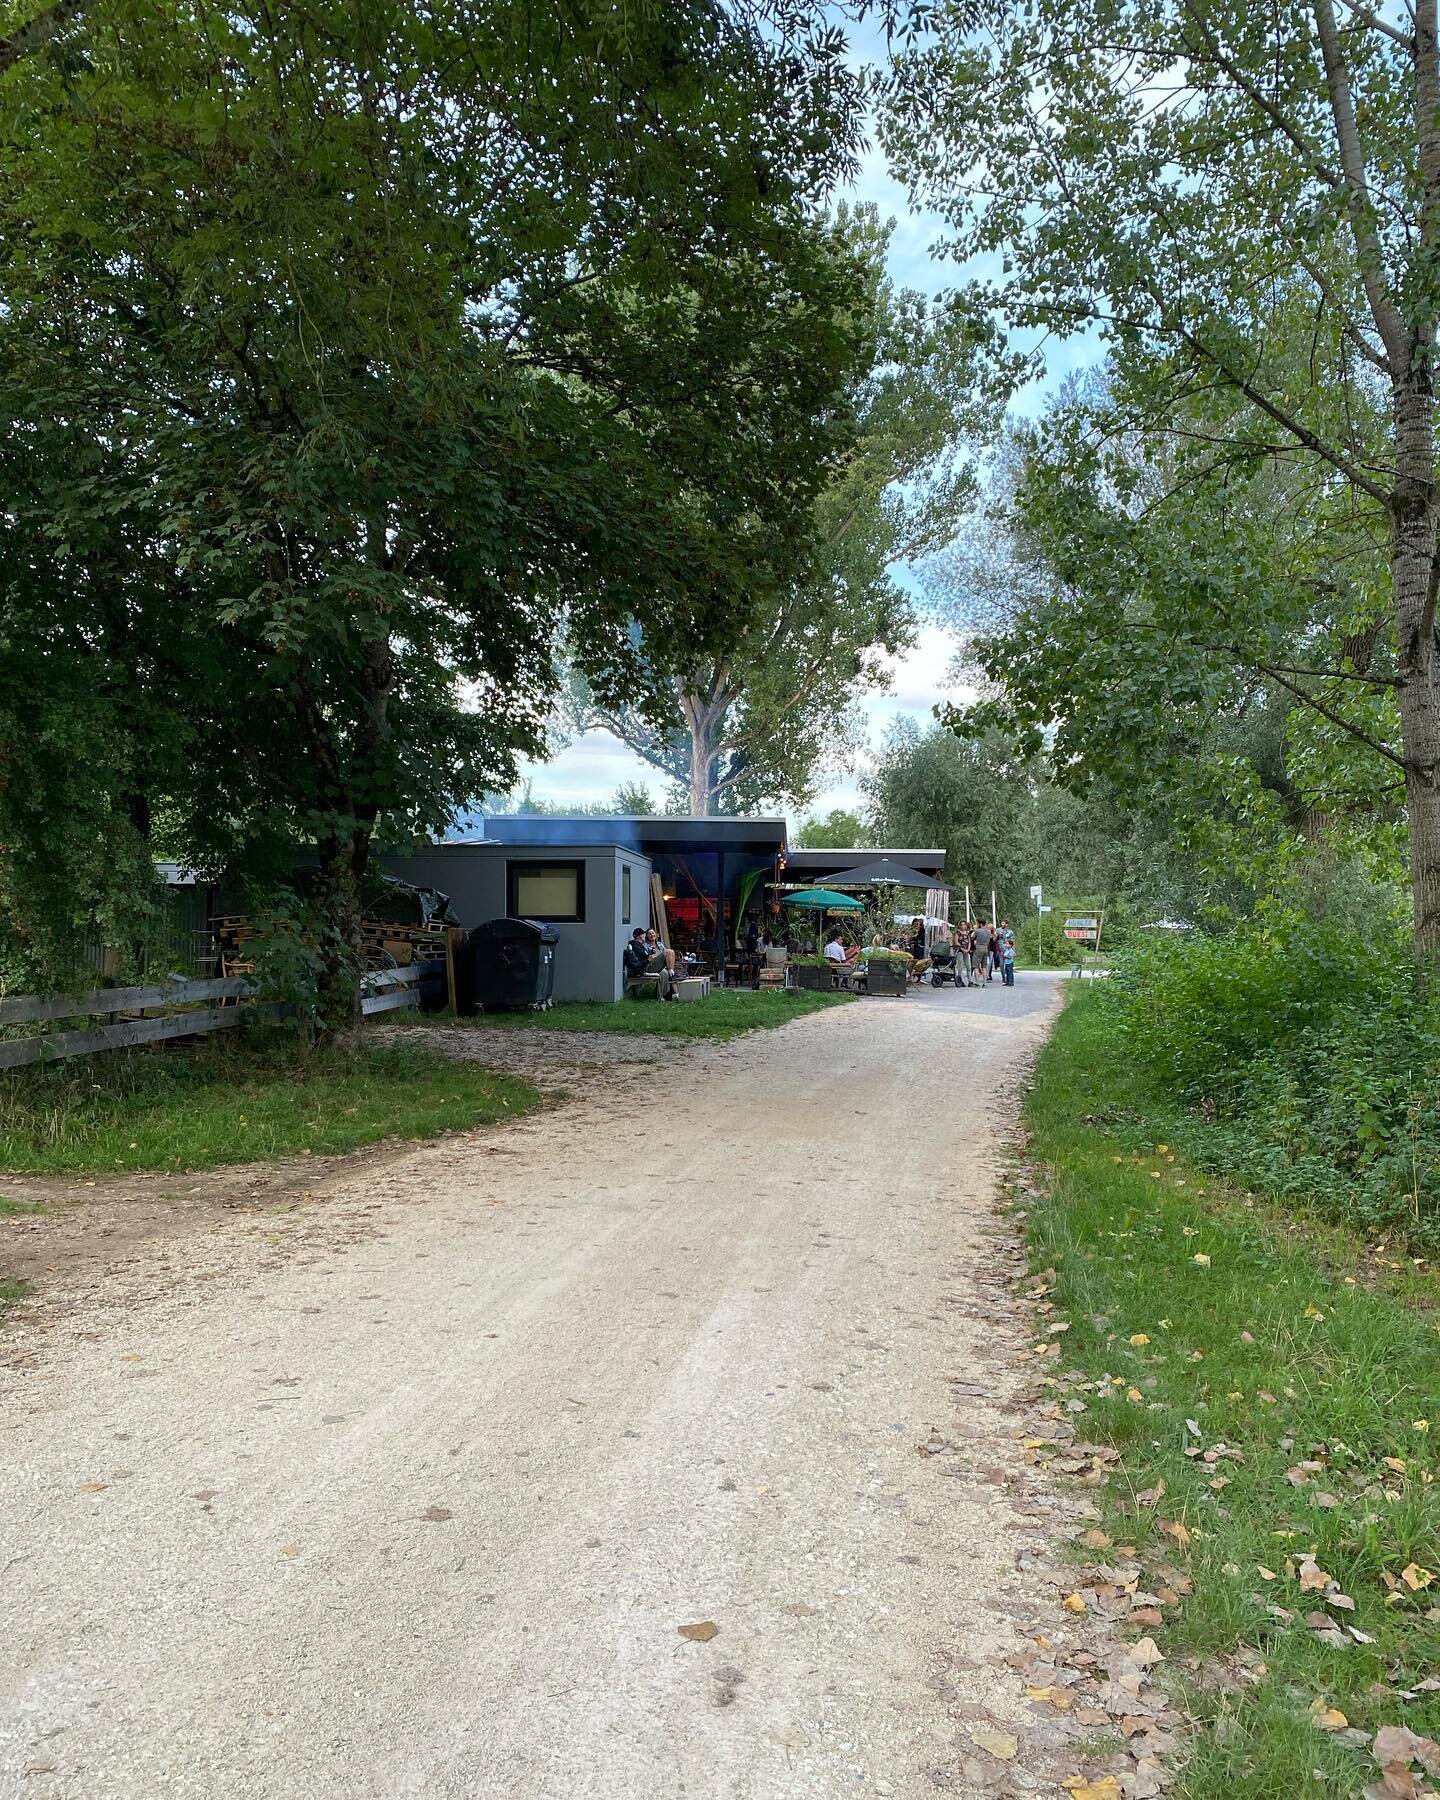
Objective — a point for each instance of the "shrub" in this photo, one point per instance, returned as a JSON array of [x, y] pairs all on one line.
[[1303, 1061]]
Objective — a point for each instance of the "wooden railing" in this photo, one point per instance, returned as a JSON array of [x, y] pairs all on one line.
[[384, 990], [171, 1009]]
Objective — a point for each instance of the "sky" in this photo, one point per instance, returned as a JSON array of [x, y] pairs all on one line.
[[590, 767]]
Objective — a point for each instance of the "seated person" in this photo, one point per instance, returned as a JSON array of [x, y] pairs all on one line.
[[640, 961], [655, 947], [845, 959]]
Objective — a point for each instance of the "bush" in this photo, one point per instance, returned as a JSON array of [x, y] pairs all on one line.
[[1302, 1060]]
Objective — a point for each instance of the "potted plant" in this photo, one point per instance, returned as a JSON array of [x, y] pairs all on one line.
[[886, 971], [810, 972]]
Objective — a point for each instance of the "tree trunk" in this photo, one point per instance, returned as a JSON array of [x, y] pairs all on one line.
[[344, 851], [703, 720], [342, 859], [1414, 574]]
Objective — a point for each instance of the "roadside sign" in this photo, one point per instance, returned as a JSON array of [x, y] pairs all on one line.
[[1035, 892], [1084, 928], [1045, 909]]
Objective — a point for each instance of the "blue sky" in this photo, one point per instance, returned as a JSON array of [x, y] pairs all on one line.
[[591, 766]]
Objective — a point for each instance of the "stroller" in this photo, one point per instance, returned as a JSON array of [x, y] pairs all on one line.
[[945, 966]]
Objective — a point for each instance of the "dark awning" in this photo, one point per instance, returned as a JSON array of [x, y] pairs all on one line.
[[884, 870]]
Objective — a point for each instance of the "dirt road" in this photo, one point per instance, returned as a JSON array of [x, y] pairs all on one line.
[[420, 1509]]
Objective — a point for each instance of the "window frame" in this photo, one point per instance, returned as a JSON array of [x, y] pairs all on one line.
[[627, 897], [517, 868]]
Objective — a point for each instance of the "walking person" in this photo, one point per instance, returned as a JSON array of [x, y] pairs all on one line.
[[964, 947], [980, 957]]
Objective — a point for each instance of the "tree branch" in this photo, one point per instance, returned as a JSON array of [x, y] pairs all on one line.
[[1368, 252], [1335, 718], [38, 31]]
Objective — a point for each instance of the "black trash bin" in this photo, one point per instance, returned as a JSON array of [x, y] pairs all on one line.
[[512, 963]]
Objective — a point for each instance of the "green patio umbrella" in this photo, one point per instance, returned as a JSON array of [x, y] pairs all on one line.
[[823, 900]]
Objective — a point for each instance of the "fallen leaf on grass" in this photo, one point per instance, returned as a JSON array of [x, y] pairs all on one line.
[[1328, 1718], [1313, 1580], [1176, 1529], [1145, 1653], [1073, 1603], [1001, 1744], [1078, 1788], [1201, 1258], [1095, 1539], [700, 1633], [1415, 1577], [1398, 1744]]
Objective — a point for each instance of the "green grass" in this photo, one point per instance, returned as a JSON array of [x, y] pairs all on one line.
[[228, 1103], [725, 1014], [11, 1294], [1283, 1350]]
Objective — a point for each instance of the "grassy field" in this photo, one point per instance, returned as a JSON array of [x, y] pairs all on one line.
[[1277, 1411], [227, 1103], [726, 1013]]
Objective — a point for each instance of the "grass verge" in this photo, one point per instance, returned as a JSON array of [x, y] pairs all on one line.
[[727, 1013], [1276, 1416], [227, 1103]]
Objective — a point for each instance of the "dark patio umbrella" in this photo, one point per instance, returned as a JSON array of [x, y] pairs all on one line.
[[884, 870]]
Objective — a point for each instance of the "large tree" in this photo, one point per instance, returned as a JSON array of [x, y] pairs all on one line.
[[1172, 175], [347, 351], [1204, 639], [755, 716]]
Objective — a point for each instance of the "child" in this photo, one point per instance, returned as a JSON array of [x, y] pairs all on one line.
[[1007, 959]]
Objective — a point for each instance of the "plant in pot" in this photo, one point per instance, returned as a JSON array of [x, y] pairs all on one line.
[[810, 971], [886, 971]]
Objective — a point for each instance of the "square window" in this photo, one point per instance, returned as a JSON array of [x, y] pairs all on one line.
[[550, 891]]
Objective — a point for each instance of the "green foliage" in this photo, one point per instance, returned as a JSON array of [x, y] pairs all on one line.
[[838, 830], [229, 1103], [1278, 1346], [1234, 202], [1295, 1057], [348, 353], [758, 715]]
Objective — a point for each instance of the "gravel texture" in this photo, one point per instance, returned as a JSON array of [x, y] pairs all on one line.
[[409, 1488]]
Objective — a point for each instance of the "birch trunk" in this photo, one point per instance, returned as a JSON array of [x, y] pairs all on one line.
[[1413, 574]]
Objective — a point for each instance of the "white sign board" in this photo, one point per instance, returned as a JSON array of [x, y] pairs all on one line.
[[1035, 893]]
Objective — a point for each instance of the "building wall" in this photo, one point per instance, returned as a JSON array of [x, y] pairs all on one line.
[[587, 957]]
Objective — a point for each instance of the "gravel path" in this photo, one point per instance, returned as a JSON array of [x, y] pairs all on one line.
[[412, 1494]]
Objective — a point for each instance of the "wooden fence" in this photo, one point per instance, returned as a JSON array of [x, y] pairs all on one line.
[[171, 1009]]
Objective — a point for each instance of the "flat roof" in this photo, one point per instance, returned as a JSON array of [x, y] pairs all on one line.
[[745, 837], [816, 862]]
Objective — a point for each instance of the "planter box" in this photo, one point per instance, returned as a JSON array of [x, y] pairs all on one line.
[[805, 975], [693, 987], [883, 976]]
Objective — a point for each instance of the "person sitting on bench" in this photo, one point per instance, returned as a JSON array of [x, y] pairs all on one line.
[[642, 965]]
